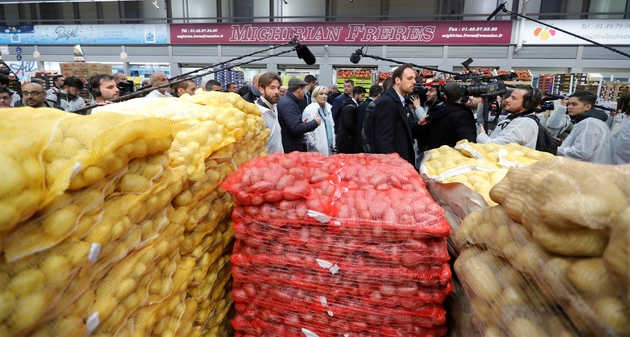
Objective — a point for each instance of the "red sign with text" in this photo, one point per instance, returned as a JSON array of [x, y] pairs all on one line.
[[375, 33]]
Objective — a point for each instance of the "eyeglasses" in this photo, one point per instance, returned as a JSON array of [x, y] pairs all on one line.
[[34, 93]]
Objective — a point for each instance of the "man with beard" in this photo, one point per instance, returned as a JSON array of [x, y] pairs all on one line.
[[514, 129], [450, 122], [69, 97], [35, 97], [269, 86], [392, 129]]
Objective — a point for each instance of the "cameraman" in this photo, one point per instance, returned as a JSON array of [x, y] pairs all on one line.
[[450, 122], [523, 131]]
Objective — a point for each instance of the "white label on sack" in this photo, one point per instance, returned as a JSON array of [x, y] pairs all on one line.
[[330, 313], [75, 169], [309, 333], [92, 323], [324, 264], [95, 250], [323, 300], [335, 269], [346, 335], [321, 217]]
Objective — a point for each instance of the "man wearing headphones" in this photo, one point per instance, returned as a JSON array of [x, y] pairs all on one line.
[[103, 88], [524, 131]]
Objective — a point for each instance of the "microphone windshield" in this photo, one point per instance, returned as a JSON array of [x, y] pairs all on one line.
[[305, 54], [355, 58]]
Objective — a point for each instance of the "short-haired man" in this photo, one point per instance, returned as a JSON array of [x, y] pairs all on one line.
[[522, 102], [290, 118], [348, 85], [213, 85], [282, 91], [35, 97], [450, 122], [69, 97], [375, 92], [4, 83], [184, 87], [367, 129], [312, 83], [392, 129], [57, 85], [268, 86], [231, 87], [158, 79], [347, 141], [124, 87], [5, 98], [103, 88], [333, 92], [590, 139], [252, 95]]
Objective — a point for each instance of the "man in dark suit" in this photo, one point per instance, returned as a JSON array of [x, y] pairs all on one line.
[[311, 84], [375, 92], [393, 131], [348, 85], [347, 141]]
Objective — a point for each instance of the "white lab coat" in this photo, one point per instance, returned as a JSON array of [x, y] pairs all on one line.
[[558, 121], [621, 142], [521, 130], [274, 141], [589, 141]]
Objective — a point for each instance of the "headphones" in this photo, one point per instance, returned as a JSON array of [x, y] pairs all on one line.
[[533, 101], [94, 83]]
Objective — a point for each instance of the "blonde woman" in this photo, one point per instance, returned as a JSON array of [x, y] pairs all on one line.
[[322, 139]]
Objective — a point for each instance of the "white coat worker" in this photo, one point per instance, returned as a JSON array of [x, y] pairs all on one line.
[[590, 139], [269, 88], [621, 137], [518, 127], [322, 139]]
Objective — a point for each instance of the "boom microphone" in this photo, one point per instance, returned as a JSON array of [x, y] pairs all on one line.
[[305, 54], [496, 11], [356, 56]]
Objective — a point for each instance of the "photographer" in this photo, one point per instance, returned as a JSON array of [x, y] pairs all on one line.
[[450, 122], [524, 131]]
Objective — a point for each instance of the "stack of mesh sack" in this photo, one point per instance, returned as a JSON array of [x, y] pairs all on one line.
[[349, 244], [121, 238], [553, 258]]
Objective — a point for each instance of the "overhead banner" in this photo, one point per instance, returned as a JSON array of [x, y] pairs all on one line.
[[89, 34], [390, 33], [609, 32]]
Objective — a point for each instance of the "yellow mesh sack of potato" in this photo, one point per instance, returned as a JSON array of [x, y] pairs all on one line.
[[86, 149], [510, 155], [215, 98], [22, 187]]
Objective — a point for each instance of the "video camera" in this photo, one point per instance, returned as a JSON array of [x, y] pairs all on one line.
[[418, 90], [483, 86]]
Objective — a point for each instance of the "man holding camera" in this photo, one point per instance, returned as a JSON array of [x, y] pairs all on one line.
[[450, 122], [392, 129], [522, 102]]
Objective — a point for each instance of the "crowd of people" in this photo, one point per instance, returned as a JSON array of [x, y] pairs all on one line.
[[392, 117]]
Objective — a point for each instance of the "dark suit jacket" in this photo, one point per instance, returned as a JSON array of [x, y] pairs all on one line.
[[392, 128], [361, 117], [347, 141], [336, 108], [292, 125]]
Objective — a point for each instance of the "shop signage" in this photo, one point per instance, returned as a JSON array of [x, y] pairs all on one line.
[[357, 33], [609, 32], [89, 34]]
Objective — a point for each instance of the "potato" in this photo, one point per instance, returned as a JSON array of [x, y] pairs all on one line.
[[614, 314], [589, 276], [523, 327], [477, 273], [28, 310]]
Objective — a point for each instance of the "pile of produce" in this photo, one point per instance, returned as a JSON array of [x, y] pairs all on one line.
[[478, 166], [115, 223], [350, 245], [553, 259]]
